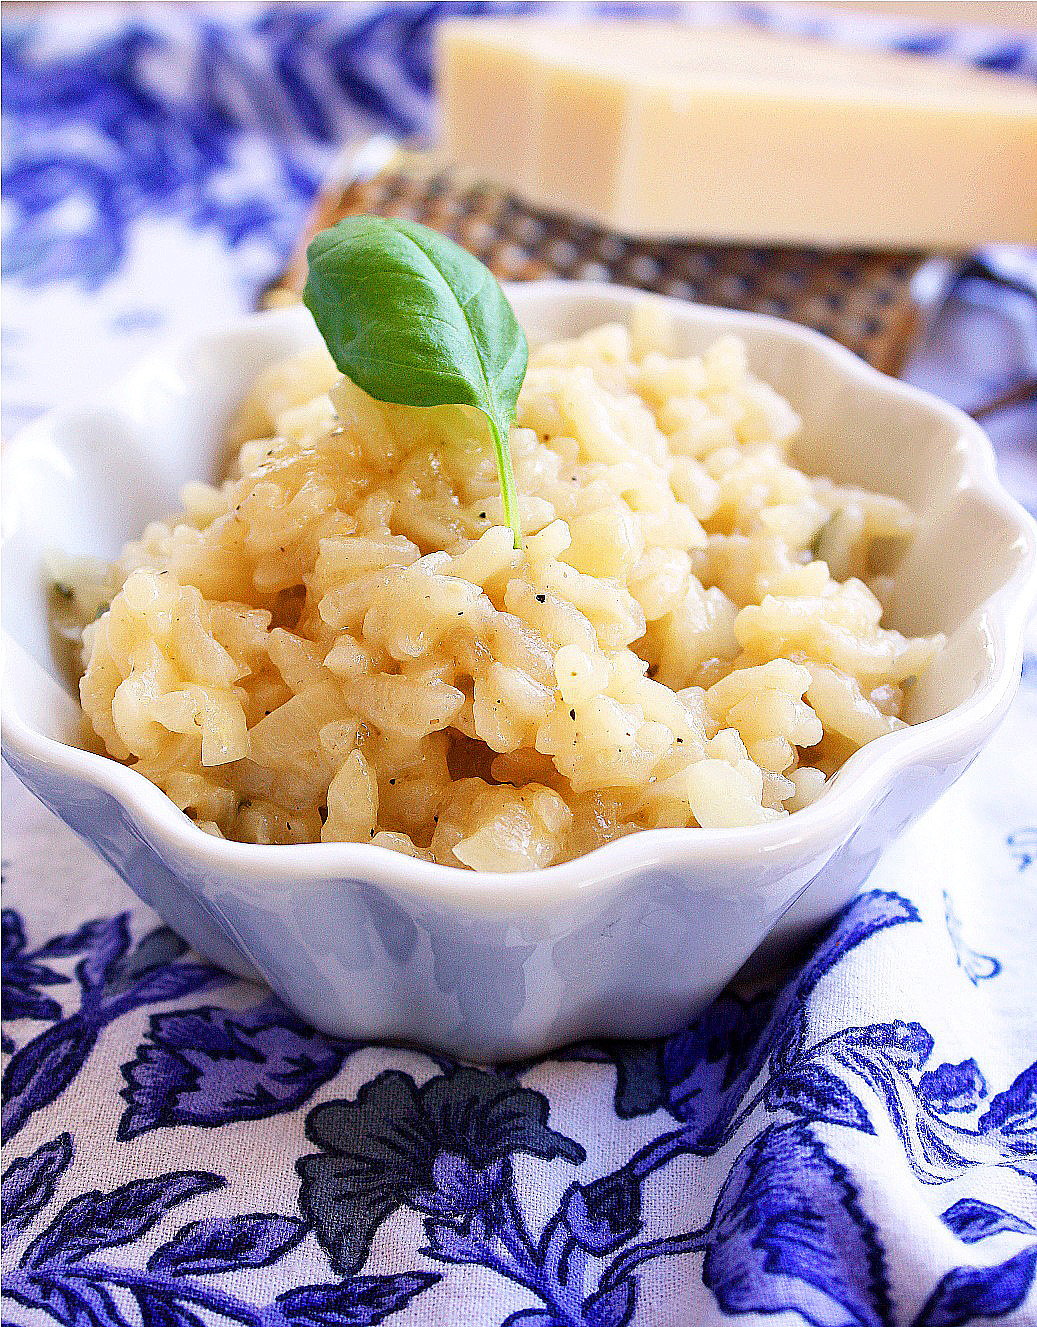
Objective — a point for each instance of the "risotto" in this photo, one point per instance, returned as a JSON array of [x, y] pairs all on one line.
[[341, 643]]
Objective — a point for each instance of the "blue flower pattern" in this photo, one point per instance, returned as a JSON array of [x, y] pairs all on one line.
[[788, 1231], [976, 966], [483, 1169], [113, 979], [64, 1271], [22, 976]]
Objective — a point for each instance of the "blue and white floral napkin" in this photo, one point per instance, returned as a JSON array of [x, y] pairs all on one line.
[[854, 1145]]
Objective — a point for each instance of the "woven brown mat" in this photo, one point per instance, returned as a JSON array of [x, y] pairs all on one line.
[[861, 299]]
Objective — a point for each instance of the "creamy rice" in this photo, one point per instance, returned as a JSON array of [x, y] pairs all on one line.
[[341, 643]]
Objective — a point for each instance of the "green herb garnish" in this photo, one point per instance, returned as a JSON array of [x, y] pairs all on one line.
[[820, 535], [414, 319]]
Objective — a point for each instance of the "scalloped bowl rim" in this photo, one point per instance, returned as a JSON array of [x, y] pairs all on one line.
[[1003, 613]]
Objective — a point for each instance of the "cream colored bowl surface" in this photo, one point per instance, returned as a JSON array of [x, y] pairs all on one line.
[[627, 941]]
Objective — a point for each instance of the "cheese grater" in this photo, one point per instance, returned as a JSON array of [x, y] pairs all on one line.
[[860, 298]]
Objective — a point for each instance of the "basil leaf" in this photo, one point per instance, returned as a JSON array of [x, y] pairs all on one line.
[[414, 319]]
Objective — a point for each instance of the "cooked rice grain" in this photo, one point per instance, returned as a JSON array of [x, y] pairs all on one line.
[[341, 643]]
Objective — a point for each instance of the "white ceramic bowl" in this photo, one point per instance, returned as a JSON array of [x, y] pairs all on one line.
[[625, 942]]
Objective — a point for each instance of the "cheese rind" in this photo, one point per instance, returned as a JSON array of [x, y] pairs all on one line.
[[668, 131]]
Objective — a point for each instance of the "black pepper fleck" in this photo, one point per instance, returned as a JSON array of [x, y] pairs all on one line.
[[572, 714], [541, 598]]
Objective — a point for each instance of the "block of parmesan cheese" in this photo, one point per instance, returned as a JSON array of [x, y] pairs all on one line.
[[672, 131]]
